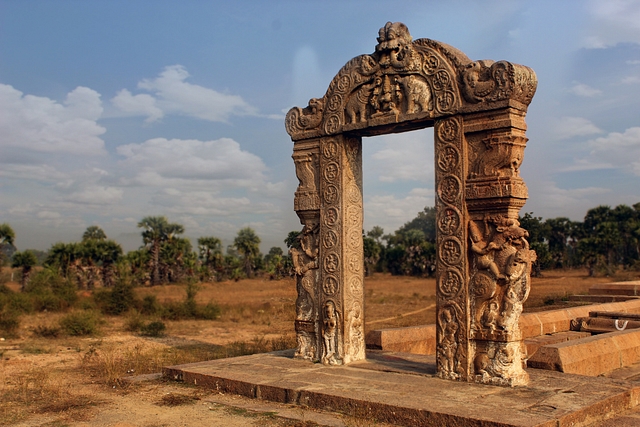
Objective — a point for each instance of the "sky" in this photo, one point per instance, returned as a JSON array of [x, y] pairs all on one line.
[[113, 110]]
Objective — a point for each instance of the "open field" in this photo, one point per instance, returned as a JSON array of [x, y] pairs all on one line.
[[78, 381]]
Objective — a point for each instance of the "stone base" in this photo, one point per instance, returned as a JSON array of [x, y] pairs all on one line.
[[402, 389]]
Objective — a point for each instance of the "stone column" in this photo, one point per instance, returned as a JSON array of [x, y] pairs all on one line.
[[341, 263], [452, 275], [305, 255], [499, 258]]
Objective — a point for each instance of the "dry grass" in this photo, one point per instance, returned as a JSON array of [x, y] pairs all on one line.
[[61, 376]]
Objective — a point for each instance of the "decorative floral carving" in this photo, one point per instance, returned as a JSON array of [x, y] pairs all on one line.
[[449, 189], [450, 283], [448, 130]]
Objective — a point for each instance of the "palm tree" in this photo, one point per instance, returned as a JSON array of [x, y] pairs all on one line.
[[210, 253], [25, 260], [156, 231], [107, 253], [7, 236], [247, 243], [94, 233]]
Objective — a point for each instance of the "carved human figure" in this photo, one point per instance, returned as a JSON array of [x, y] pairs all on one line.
[[305, 264], [330, 335], [449, 343], [357, 338], [484, 249], [490, 316]]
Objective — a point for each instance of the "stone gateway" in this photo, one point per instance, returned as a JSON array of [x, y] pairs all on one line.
[[477, 110]]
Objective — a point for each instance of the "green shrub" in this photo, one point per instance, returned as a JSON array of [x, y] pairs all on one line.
[[150, 305], [50, 291], [9, 322], [117, 300], [47, 331], [47, 301], [153, 329], [80, 323], [135, 322], [210, 311], [21, 302], [173, 311]]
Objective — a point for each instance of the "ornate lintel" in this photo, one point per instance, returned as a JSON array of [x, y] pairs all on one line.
[[405, 80]]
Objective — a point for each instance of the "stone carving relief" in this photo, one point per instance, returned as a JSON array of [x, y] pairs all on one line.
[[306, 197], [330, 335], [452, 354], [500, 265], [499, 363], [305, 264], [483, 259], [487, 81]]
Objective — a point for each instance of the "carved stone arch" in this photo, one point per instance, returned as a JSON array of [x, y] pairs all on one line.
[[477, 109]]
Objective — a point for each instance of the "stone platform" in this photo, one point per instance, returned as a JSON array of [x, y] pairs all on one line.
[[401, 389]]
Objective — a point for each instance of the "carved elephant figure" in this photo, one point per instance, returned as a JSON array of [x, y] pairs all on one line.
[[418, 94], [356, 108]]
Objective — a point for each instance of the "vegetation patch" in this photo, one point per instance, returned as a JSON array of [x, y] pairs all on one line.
[[80, 323], [177, 399]]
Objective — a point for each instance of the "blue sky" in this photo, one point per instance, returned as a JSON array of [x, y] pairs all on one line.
[[114, 110]]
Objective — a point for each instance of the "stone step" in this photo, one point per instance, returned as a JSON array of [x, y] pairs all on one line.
[[534, 343], [402, 390], [600, 299], [422, 339], [616, 288], [614, 315], [591, 356], [599, 325]]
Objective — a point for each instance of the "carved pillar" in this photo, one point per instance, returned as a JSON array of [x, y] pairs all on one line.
[[499, 256], [305, 255], [341, 253], [452, 305]]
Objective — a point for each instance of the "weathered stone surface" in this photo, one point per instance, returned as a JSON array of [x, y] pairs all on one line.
[[414, 339], [533, 344], [616, 288], [601, 299], [483, 260], [591, 356], [402, 389], [531, 325]]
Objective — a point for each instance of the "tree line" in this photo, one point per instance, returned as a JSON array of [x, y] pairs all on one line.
[[606, 240], [164, 257]]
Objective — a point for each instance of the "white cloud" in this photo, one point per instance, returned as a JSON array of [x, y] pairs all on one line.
[[621, 150], [568, 127], [96, 195], [631, 80], [39, 172], [391, 212], [161, 161], [582, 89], [556, 201], [138, 105], [41, 124], [405, 157], [173, 95], [615, 21], [200, 202]]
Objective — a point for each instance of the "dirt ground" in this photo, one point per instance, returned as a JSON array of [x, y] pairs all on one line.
[[71, 381]]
